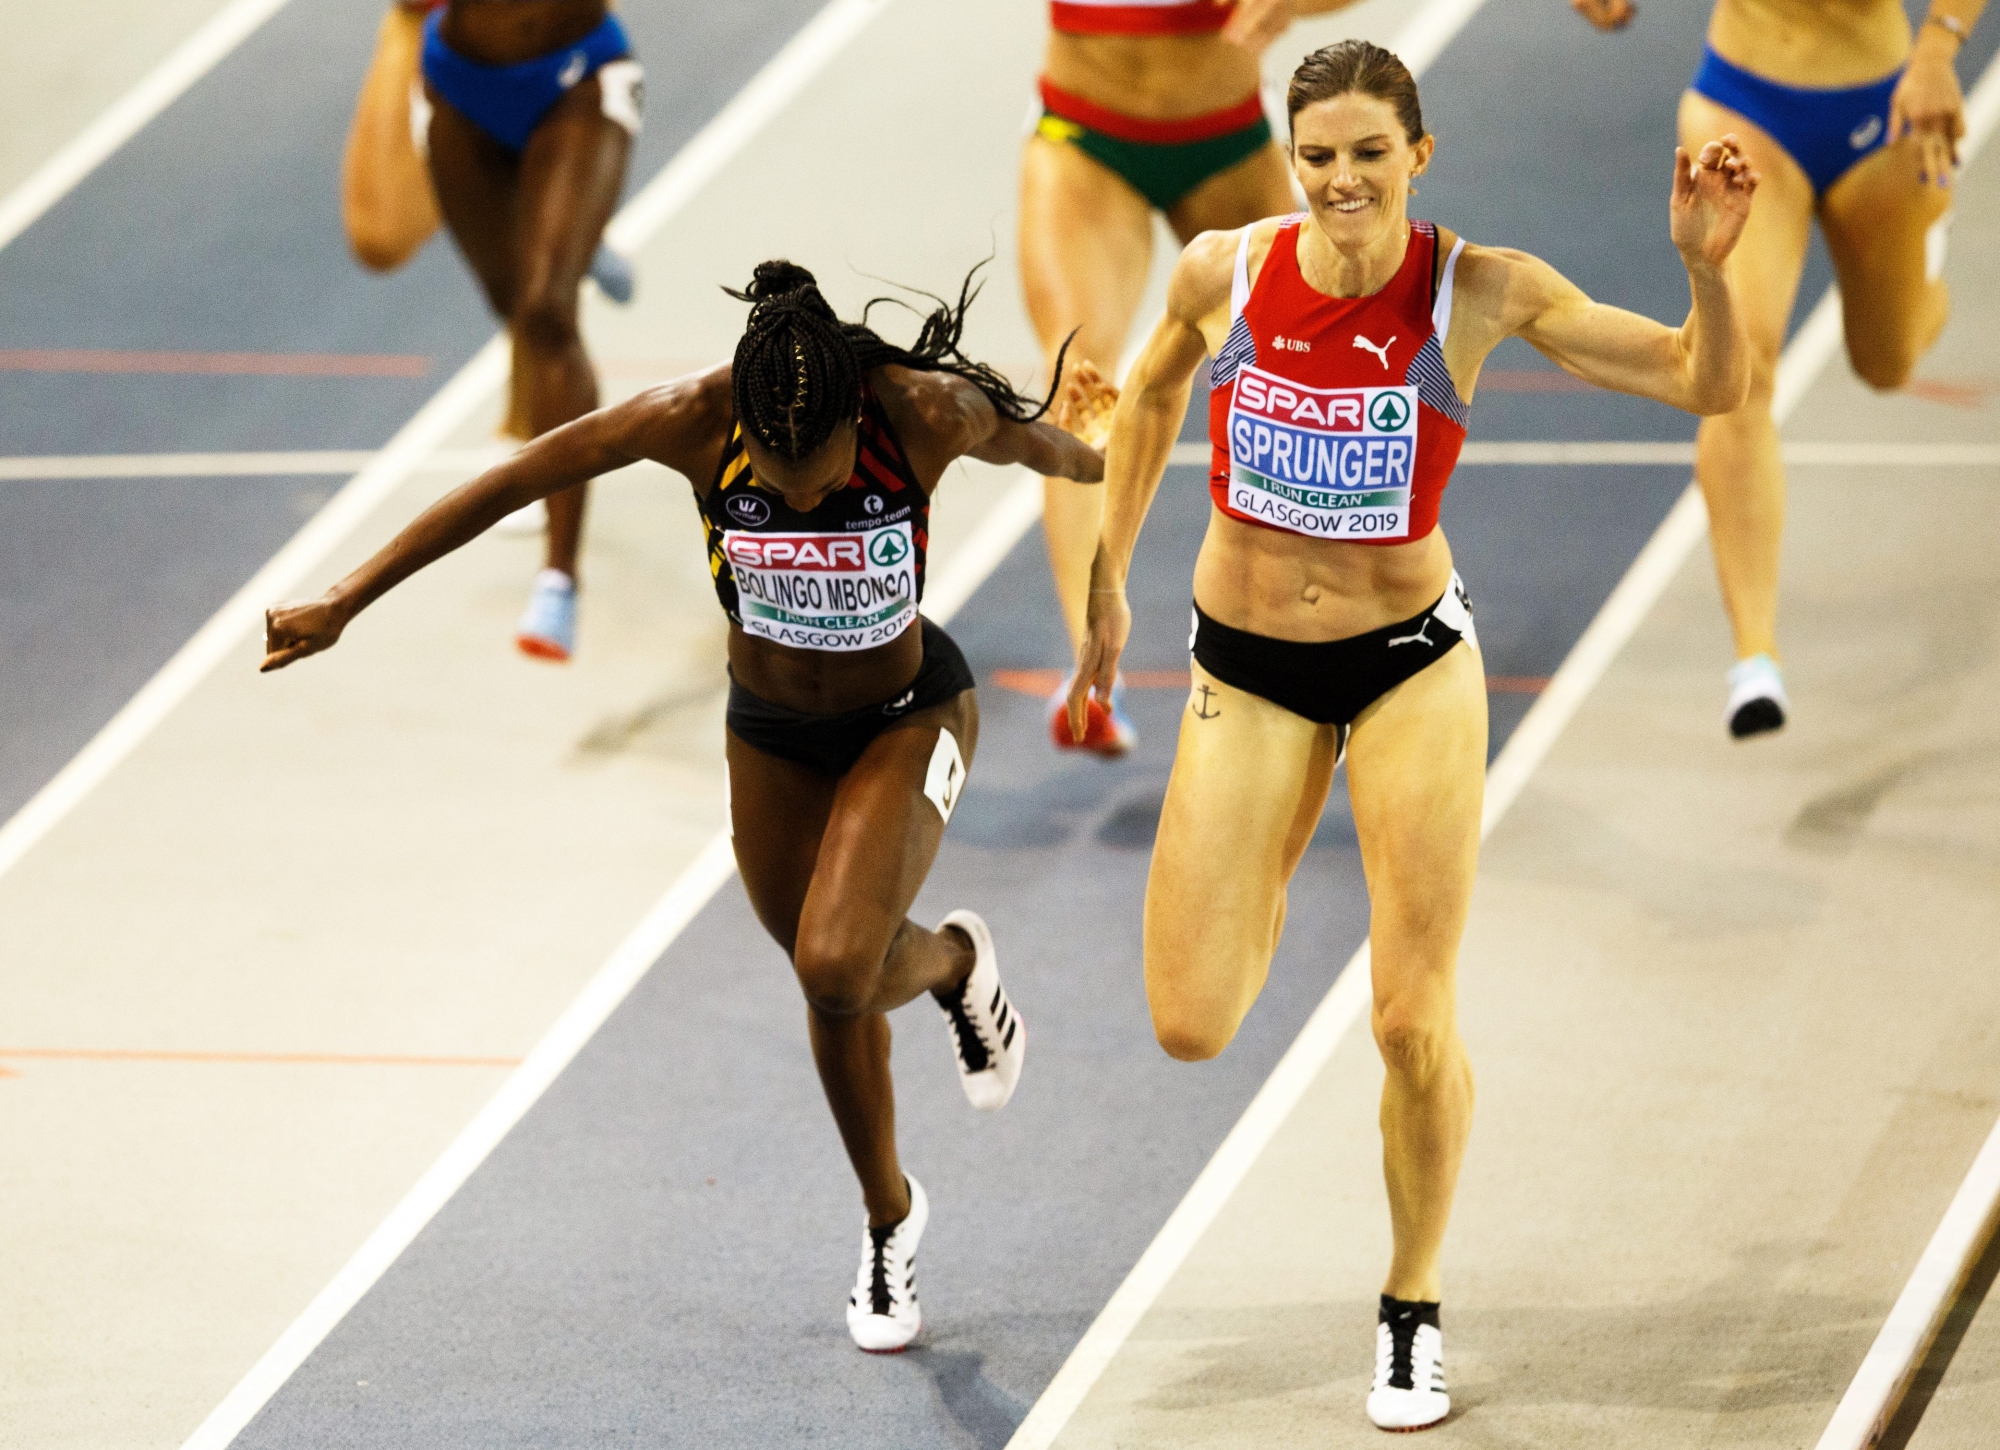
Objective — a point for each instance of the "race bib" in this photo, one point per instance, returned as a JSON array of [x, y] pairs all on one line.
[[1333, 463], [834, 592]]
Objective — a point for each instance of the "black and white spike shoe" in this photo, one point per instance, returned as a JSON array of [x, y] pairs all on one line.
[[1408, 1393], [882, 1313], [987, 1034]]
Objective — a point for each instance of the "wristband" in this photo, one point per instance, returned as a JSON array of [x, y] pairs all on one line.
[[1951, 23]]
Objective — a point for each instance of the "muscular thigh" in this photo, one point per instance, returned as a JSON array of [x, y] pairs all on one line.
[[1876, 218], [1248, 785], [1416, 774], [1258, 186], [1086, 245], [477, 183], [883, 830], [1769, 259], [571, 173]]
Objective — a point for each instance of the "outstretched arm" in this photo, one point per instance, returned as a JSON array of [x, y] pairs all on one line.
[[1071, 447], [1701, 367], [594, 444], [1143, 430]]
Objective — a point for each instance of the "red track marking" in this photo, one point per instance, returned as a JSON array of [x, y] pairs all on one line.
[[1962, 393], [229, 364], [1043, 683], [289, 1059]]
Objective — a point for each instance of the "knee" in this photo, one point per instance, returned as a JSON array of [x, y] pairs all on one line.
[[1414, 1039], [836, 975], [1191, 1036], [544, 320], [1884, 366]]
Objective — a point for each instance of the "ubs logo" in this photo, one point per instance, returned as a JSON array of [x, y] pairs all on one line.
[[873, 503], [748, 509]]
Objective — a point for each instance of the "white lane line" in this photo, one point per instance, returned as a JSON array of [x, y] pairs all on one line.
[[1877, 1389], [1681, 455], [420, 439], [1309, 1053], [187, 63]]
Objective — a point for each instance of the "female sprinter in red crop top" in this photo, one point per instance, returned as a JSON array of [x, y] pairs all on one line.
[[852, 720], [1327, 612], [1146, 105]]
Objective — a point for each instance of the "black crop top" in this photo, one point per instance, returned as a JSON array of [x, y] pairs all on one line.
[[848, 575]]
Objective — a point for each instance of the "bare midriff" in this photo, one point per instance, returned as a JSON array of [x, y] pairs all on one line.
[[507, 32], [1812, 44], [1286, 586], [1152, 77]]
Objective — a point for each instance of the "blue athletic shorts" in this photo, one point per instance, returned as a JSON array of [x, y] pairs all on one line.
[[1826, 132], [507, 102]]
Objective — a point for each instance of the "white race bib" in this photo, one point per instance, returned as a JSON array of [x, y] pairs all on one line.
[[1331, 463], [835, 592]]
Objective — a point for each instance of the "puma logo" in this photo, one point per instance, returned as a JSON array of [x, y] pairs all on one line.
[[1419, 637], [1382, 351]]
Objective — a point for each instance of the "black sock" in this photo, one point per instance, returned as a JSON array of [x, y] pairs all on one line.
[[1413, 1312]]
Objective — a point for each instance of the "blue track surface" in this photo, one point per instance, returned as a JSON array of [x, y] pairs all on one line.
[[659, 1253]]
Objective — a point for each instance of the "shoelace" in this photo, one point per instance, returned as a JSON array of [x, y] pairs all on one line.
[[881, 1300], [973, 1053], [1395, 1359]]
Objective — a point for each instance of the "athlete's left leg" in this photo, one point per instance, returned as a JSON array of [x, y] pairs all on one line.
[[571, 171], [1258, 186], [1416, 769], [1877, 219]]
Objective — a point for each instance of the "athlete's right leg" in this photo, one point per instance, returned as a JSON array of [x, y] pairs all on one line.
[[1086, 241], [832, 868], [1878, 218], [1736, 455], [386, 202], [1249, 781]]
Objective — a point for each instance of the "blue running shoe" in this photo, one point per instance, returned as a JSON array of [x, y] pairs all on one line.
[[613, 275], [547, 630]]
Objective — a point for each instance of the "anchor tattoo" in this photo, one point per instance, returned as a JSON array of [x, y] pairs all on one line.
[[1201, 710]]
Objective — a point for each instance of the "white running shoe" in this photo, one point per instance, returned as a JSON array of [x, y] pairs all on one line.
[[882, 1313], [1757, 702], [987, 1034], [1408, 1393]]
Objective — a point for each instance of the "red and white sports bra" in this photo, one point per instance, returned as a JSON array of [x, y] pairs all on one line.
[[1138, 17], [1335, 417]]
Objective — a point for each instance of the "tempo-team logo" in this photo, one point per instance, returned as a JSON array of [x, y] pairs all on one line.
[[1333, 410], [872, 503], [748, 509], [819, 553]]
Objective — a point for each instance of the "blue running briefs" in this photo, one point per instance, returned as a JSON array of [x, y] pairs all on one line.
[[507, 102], [1826, 132]]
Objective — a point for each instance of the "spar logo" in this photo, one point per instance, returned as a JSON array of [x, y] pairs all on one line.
[[1388, 413], [1326, 410], [886, 549], [808, 553]]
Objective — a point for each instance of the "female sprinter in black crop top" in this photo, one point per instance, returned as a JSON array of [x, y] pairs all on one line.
[[813, 456]]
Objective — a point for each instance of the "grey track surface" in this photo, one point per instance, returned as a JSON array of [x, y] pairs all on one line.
[[218, 227], [658, 1254]]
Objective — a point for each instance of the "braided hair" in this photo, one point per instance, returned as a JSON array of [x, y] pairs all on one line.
[[799, 367]]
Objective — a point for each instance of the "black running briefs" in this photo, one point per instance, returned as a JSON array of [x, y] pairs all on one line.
[[831, 744], [1331, 682]]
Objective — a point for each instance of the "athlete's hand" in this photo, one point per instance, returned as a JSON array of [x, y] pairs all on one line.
[[1606, 14], [1711, 201], [1928, 105], [1257, 23], [1107, 625], [293, 631], [1086, 405]]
